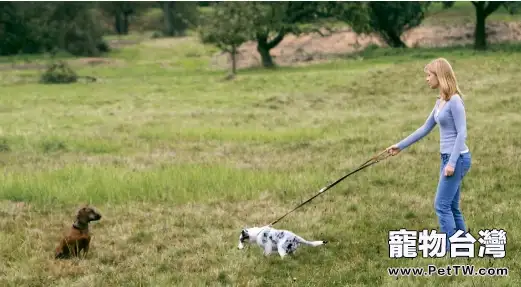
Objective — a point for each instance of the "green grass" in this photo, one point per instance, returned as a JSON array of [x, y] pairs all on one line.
[[179, 160]]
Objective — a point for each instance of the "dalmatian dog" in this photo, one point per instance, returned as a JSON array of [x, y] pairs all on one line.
[[269, 239]]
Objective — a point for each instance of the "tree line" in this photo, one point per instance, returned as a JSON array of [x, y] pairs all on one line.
[[75, 27], [230, 24], [36, 27]]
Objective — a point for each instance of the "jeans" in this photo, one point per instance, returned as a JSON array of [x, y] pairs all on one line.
[[448, 196]]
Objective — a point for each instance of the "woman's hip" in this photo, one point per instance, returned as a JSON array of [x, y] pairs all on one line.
[[463, 163]]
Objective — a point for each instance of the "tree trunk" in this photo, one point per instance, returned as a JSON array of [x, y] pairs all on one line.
[[264, 46], [117, 23], [480, 36], [264, 51], [168, 18], [394, 40], [483, 9], [234, 60], [124, 23]]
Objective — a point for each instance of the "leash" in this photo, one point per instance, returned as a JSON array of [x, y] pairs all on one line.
[[374, 159]]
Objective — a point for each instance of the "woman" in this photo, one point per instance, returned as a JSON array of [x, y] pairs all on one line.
[[449, 113]]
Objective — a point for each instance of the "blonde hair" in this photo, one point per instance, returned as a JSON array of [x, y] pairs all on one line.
[[441, 68]]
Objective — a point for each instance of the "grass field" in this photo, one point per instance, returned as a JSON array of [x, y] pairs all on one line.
[[178, 161]]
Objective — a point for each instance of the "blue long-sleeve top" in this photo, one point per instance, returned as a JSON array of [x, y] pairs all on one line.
[[453, 129]]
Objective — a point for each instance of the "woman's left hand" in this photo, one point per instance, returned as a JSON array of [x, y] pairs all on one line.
[[449, 170]]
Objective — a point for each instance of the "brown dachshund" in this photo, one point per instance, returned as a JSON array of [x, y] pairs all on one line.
[[78, 237]]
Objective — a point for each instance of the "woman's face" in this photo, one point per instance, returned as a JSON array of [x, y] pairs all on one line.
[[432, 80]]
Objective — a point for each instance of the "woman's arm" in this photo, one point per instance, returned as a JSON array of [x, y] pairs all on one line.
[[458, 114], [422, 131]]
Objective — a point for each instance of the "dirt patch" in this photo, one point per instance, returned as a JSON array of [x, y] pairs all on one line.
[[313, 47], [89, 61], [93, 61], [303, 49], [23, 66], [167, 43], [463, 34], [120, 43]]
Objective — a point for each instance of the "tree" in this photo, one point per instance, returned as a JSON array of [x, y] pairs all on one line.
[[270, 22], [178, 16], [447, 4], [36, 27], [121, 11], [389, 19], [73, 28], [205, 3], [274, 20], [228, 25], [483, 10]]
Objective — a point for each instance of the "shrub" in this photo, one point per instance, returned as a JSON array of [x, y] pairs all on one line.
[[59, 73]]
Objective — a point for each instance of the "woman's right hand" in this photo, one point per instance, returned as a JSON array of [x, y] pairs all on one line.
[[393, 150]]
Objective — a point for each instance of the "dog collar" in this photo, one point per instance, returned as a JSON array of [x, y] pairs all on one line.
[[77, 227]]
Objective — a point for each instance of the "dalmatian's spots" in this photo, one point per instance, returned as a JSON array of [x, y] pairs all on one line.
[[264, 237]]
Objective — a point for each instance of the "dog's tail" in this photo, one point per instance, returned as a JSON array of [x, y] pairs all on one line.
[[316, 243], [311, 243]]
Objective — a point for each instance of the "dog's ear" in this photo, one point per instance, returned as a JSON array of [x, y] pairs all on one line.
[[81, 215], [81, 208], [243, 237]]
